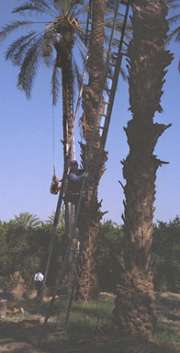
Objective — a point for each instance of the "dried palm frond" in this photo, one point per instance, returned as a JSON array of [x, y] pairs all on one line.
[[83, 57], [124, 74], [77, 74], [55, 83], [29, 66]]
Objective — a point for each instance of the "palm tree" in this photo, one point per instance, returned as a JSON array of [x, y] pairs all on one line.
[[92, 156], [148, 61], [54, 44], [52, 40], [27, 221], [90, 214]]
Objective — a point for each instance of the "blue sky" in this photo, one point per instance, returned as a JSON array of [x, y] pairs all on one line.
[[26, 145]]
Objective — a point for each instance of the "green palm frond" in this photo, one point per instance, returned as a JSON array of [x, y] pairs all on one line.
[[18, 47], [29, 66], [7, 29], [55, 83], [27, 220], [26, 50], [35, 5]]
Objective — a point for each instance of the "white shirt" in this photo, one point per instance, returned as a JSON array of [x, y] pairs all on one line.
[[38, 277]]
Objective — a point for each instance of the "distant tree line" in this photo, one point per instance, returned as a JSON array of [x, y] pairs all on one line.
[[24, 244]]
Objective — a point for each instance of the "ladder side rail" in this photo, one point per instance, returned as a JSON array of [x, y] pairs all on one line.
[[55, 225], [115, 80], [112, 32]]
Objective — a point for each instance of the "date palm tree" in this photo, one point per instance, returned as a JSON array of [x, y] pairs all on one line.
[[51, 38], [93, 158], [27, 221], [147, 65], [90, 214]]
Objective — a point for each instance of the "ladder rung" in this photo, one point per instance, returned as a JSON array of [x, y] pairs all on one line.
[[109, 76], [125, 43], [108, 90], [114, 55]]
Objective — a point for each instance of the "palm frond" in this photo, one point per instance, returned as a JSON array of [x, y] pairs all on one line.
[[41, 6], [16, 49], [77, 75], [174, 34], [123, 73], [55, 84], [173, 4], [29, 67], [21, 53], [177, 39], [174, 19], [83, 57], [7, 29]]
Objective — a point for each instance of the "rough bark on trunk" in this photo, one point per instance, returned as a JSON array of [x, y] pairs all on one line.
[[90, 214], [148, 61], [67, 87]]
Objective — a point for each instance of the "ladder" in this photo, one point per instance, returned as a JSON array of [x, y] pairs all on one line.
[[113, 64]]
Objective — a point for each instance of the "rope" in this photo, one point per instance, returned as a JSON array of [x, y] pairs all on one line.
[[53, 141]]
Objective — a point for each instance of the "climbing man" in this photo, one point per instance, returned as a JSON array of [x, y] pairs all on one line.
[[75, 178], [38, 283]]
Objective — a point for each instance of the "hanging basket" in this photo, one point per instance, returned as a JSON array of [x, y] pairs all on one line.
[[55, 185]]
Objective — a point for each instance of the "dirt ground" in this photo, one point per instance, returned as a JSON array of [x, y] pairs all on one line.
[[23, 332]]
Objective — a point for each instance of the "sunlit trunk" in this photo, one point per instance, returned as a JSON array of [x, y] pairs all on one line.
[[148, 61]]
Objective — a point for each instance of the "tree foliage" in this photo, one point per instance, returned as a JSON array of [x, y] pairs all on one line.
[[24, 249]]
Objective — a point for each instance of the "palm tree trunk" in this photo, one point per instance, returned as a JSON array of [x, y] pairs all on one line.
[[68, 118], [90, 214], [148, 60]]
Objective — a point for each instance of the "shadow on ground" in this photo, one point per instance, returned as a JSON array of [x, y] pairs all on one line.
[[28, 335]]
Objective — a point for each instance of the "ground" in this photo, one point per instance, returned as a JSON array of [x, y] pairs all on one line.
[[89, 330]]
